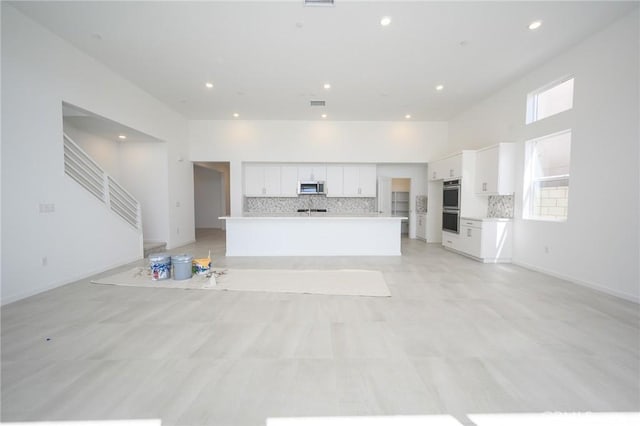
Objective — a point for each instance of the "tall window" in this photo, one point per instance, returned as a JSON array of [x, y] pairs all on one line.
[[550, 100], [547, 177]]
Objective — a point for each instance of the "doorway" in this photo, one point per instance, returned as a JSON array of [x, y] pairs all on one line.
[[400, 198], [211, 194]]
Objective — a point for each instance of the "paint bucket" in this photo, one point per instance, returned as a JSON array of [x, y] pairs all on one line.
[[181, 264], [202, 266], [160, 265]]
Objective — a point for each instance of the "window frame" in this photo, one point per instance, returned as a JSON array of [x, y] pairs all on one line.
[[530, 181], [531, 113]]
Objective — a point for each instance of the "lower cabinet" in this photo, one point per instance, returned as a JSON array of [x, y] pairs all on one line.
[[451, 240], [487, 240]]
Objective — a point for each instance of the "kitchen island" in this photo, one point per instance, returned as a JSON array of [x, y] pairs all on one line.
[[313, 235]]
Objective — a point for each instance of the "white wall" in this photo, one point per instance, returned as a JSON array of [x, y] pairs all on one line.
[[240, 141], [39, 72], [143, 173], [208, 186], [598, 245]]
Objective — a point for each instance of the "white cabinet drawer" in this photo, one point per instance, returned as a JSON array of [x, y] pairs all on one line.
[[451, 240], [473, 223]]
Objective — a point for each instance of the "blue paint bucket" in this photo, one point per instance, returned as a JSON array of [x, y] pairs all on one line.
[[181, 264], [160, 265]]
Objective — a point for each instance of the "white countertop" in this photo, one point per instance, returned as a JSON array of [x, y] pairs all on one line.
[[488, 219], [315, 216]]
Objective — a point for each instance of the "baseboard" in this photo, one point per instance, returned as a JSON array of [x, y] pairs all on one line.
[[583, 283], [56, 284]]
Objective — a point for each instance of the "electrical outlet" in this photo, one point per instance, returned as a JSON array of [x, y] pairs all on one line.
[[45, 261], [47, 207], [546, 249]]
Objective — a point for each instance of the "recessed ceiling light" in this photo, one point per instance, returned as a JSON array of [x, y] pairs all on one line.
[[324, 116], [209, 85], [439, 87], [327, 86], [385, 21], [535, 25], [408, 116], [236, 115], [122, 136]]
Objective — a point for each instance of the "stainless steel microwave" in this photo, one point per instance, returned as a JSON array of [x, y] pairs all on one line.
[[311, 187]]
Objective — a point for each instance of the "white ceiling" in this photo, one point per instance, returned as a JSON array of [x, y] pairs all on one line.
[[267, 60]]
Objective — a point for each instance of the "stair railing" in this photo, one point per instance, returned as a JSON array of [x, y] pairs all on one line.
[[79, 166]]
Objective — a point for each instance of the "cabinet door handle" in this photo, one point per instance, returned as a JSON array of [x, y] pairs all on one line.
[[484, 186], [468, 232]]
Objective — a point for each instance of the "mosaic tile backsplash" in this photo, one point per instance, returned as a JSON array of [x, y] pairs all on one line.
[[421, 203], [500, 206], [345, 205]]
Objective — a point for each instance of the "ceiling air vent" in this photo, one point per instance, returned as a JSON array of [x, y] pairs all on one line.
[[317, 103], [318, 2]]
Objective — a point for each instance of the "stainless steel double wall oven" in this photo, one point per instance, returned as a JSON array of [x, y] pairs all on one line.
[[451, 191]]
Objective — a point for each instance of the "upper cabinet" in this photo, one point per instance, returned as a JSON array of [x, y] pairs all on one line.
[[494, 170], [359, 181], [312, 172], [447, 168], [262, 180], [281, 180], [351, 180], [288, 181], [335, 181]]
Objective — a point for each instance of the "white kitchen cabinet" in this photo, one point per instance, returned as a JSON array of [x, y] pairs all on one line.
[[289, 181], [359, 181], [471, 235], [272, 180], [451, 240], [334, 182], [446, 168], [261, 180], [368, 180], [312, 172], [421, 226], [495, 170], [486, 240], [253, 181], [436, 169]]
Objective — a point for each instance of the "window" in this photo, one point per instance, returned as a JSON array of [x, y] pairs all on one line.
[[547, 177], [550, 100]]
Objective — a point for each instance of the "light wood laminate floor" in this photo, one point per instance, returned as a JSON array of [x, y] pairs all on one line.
[[456, 337]]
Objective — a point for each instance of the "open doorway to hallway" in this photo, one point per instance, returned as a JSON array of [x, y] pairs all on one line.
[[212, 194]]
